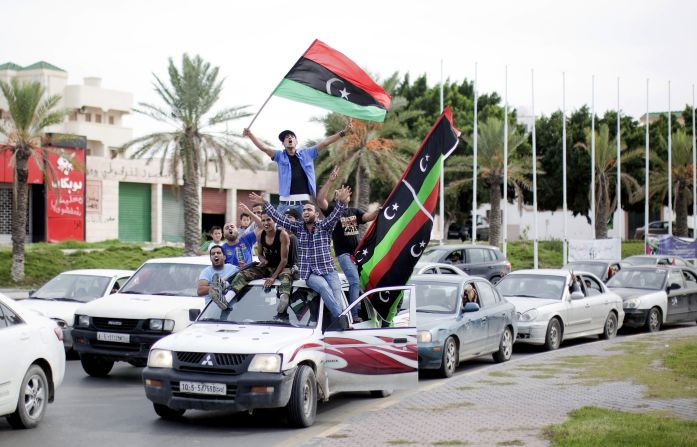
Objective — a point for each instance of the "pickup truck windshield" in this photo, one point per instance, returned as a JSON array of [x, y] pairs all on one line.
[[254, 305], [167, 279], [81, 288]]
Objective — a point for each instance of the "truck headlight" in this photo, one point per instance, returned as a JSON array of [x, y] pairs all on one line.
[[156, 324], [424, 337], [269, 363], [160, 358], [82, 320], [529, 315], [631, 303]]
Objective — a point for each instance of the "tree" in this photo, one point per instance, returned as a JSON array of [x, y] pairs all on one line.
[[194, 143], [606, 176], [490, 167], [30, 115]]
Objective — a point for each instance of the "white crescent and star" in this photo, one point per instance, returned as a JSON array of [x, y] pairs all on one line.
[[385, 213], [344, 93], [364, 253], [422, 244]]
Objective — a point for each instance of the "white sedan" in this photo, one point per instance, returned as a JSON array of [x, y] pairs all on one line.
[[552, 306], [32, 363], [59, 298]]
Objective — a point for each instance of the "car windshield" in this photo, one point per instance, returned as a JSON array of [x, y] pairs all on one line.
[[639, 279], [437, 298], [71, 287], [639, 260], [432, 254], [549, 287], [254, 305], [164, 278], [595, 268]]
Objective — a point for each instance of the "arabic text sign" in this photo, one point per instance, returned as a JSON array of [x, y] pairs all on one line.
[[589, 249]]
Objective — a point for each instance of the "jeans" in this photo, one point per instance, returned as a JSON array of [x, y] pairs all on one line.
[[329, 288], [351, 271]]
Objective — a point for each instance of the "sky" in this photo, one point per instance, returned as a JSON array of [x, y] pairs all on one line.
[[255, 43]]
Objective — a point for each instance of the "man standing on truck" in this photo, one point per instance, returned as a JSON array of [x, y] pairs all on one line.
[[314, 244]]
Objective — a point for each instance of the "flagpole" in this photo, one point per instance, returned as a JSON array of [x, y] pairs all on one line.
[[505, 163], [670, 169], [646, 172], [534, 172], [442, 169], [694, 163], [474, 166], [620, 223], [563, 162], [593, 154]]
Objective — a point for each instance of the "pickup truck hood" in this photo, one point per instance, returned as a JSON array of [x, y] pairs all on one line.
[[139, 306], [523, 305], [65, 310], [627, 293], [235, 338]]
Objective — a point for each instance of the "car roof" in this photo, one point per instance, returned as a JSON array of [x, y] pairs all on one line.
[[196, 260], [459, 246], [448, 279], [597, 261], [100, 272], [556, 272], [651, 267]]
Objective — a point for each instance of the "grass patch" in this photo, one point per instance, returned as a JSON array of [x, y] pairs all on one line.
[[542, 376], [500, 374], [494, 382], [451, 442], [682, 360], [338, 436], [520, 253], [591, 426], [511, 442], [452, 406]]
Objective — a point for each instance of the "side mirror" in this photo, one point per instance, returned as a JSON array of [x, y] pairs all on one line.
[[577, 295], [339, 324], [470, 307], [193, 314], [673, 286]]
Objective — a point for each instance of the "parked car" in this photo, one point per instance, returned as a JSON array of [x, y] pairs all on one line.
[[436, 268], [553, 306], [657, 228], [655, 260], [603, 269], [450, 330], [462, 231], [249, 356], [63, 294], [155, 302], [477, 260], [32, 363], [656, 295]]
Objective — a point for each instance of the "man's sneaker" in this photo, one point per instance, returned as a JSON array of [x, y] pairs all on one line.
[[283, 302], [357, 319], [215, 292]]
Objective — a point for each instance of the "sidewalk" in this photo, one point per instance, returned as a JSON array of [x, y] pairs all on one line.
[[17, 294], [504, 404]]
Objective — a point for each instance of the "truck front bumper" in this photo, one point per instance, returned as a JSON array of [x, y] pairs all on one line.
[[85, 342]]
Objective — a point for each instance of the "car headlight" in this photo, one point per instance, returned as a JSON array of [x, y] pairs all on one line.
[[157, 324], [61, 323], [269, 363], [82, 320], [528, 316], [160, 358], [424, 337], [631, 303]]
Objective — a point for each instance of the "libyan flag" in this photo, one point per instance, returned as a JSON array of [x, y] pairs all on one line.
[[396, 239], [326, 78]]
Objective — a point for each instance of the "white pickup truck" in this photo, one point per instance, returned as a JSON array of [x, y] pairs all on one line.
[[248, 356], [156, 301]]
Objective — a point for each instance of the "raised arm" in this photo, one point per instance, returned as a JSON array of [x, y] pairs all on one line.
[[254, 217], [324, 190], [280, 219], [258, 143], [343, 195], [332, 138], [369, 217]]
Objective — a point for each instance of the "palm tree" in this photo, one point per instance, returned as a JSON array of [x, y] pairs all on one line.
[[606, 175], [30, 115], [188, 99], [681, 153], [373, 150], [490, 167]]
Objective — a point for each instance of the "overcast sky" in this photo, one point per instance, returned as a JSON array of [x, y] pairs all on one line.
[[256, 42]]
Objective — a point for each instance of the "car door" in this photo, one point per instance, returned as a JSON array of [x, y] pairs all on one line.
[[598, 300], [15, 340], [493, 313], [691, 286], [579, 313], [678, 296], [473, 329], [478, 262], [374, 358]]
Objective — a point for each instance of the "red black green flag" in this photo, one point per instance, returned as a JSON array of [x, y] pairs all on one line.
[[326, 78], [396, 239]]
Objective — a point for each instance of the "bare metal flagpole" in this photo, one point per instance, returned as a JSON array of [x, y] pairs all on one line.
[[694, 164], [474, 166], [505, 163], [670, 169], [646, 171], [534, 172], [620, 220], [593, 154], [442, 169], [563, 162]]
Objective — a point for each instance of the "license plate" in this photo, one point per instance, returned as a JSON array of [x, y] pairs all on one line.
[[110, 336], [218, 389]]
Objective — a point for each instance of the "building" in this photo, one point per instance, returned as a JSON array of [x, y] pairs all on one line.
[[124, 199]]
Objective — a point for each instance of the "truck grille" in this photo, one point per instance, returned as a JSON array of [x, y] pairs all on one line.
[[212, 362], [115, 324], [219, 359]]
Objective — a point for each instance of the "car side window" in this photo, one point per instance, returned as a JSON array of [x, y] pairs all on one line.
[[122, 281], [455, 257], [487, 296], [592, 286], [675, 277], [690, 279], [431, 271], [677, 261], [3, 324], [8, 316], [447, 271], [477, 256]]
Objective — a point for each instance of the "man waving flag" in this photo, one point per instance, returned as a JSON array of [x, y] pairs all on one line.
[[326, 78], [396, 239]]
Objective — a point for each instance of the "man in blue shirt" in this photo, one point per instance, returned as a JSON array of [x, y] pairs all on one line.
[[296, 168], [218, 266], [238, 249]]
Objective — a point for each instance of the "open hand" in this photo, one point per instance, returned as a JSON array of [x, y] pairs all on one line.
[[343, 194], [256, 198]]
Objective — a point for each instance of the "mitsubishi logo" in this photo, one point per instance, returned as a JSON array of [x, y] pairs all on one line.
[[207, 360]]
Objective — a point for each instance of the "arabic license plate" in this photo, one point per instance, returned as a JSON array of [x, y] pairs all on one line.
[[110, 336], [218, 389]]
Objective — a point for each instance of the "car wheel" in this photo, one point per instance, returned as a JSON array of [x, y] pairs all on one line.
[[495, 279], [33, 396], [654, 320], [505, 347], [96, 366], [450, 358], [381, 393], [167, 413], [554, 334], [302, 406], [610, 328]]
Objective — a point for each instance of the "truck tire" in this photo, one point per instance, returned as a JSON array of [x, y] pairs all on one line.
[[33, 398], [166, 413], [95, 365], [302, 406], [380, 394]]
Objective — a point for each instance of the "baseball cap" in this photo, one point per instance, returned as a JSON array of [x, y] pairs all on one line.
[[292, 212], [282, 135]]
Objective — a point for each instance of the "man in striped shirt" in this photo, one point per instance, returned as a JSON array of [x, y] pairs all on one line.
[[314, 242]]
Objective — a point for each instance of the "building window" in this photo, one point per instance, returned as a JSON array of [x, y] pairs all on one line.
[[72, 116], [98, 118], [88, 117], [111, 119]]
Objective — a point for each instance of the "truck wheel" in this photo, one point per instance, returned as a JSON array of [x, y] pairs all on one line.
[[33, 397], [379, 394], [302, 406], [169, 414], [96, 366]]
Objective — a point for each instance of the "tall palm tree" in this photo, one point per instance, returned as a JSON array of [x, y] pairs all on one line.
[[194, 142], [373, 150], [681, 153], [490, 167], [606, 175], [30, 115]]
